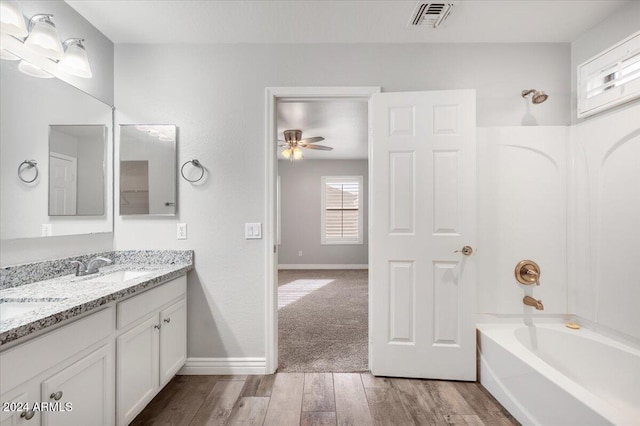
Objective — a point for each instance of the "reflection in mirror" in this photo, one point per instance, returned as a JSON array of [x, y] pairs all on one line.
[[30, 111], [147, 170], [76, 170]]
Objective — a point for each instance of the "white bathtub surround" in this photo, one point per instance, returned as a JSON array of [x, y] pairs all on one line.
[[605, 221], [521, 180], [547, 374]]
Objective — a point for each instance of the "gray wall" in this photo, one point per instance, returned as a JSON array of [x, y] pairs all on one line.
[[624, 22], [100, 49], [301, 212], [216, 96]]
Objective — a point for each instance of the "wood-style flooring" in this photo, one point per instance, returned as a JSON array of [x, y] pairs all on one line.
[[284, 399]]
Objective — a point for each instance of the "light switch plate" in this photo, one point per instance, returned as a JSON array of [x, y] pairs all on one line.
[[182, 231], [47, 230], [252, 231]]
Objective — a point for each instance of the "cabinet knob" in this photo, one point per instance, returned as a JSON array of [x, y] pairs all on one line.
[[157, 326], [167, 320], [27, 414], [56, 395]]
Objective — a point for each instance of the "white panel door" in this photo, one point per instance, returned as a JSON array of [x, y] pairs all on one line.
[[63, 183], [422, 168], [173, 340], [84, 390], [137, 369]]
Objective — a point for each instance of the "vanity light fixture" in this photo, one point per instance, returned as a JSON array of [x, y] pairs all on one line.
[[43, 37], [8, 56], [75, 60], [12, 20], [32, 70]]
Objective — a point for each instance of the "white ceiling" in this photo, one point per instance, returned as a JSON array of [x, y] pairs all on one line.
[[343, 124], [342, 21]]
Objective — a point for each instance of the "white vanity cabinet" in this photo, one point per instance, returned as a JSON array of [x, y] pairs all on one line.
[[68, 372], [152, 346], [84, 391], [15, 413], [100, 369]]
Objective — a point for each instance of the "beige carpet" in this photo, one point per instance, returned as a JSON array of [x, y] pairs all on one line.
[[322, 321]]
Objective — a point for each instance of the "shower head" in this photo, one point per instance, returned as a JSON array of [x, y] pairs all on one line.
[[538, 95]]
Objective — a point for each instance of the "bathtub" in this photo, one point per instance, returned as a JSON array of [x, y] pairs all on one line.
[[547, 374]]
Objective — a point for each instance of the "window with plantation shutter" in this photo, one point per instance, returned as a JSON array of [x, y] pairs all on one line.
[[342, 210]]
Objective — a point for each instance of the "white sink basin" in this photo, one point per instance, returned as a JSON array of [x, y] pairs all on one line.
[[118, 277], [13, 309]]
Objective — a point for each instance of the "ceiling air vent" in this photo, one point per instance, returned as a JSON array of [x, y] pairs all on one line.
[[431, 14]]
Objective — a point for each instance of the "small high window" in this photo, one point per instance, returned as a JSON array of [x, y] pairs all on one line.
[[610, 78]]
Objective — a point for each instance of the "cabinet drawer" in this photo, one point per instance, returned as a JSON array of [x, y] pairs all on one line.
[[19, 364], [152, 300]]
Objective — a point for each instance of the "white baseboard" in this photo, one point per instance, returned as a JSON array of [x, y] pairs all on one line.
[[223, 366], [322, 266]]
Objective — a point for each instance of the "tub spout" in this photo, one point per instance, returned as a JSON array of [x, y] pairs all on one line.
[[530, 301]]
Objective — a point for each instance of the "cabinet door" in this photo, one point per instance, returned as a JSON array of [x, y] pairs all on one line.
[[17, 407], [173, 340], [82, 393], [137, 370]]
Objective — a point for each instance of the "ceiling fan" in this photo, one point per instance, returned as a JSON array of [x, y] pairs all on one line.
[[293, 141]]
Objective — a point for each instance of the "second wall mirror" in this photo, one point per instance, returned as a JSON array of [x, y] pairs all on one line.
[[147, 169]]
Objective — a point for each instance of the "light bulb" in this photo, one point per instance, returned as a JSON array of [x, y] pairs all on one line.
[[43, 38], [297, 154], [286, 153], [32, 70], [11, 19], [75, 60]]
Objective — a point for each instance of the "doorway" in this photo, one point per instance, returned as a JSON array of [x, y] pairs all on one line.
[[295, 95], [422, 212]]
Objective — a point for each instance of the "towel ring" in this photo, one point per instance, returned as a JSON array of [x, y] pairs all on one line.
[[195, 163], [30, 163]]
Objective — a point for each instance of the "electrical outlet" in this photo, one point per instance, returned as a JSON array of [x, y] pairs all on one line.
[[300, 253], [47, 230], [182, 231]]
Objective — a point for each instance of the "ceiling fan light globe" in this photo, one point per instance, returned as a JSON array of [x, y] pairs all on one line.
[[286, 153], [297, 154]]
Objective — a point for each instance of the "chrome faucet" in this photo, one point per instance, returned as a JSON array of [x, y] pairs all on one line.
[[91, 268], [530, 301]]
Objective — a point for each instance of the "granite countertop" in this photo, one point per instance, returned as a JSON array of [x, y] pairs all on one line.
[[68, 296]]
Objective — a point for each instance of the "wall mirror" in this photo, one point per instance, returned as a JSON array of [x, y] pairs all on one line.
[[37, 114], [76, 170], [147, 170]]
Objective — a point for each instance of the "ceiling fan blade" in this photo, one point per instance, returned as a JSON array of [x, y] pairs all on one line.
[[312, 140], [320, 147]]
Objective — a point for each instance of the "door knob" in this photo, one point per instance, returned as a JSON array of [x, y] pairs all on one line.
[[466, 250], [56, 395], [167, 320]]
